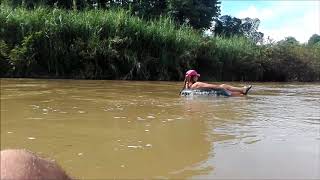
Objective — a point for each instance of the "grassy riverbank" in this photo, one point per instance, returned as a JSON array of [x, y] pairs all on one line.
[[101, 44]]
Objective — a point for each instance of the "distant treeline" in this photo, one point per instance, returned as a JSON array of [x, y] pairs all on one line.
[[115, 44]]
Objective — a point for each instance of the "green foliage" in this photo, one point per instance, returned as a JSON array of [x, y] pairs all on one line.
[[230, 59], [314, 39], [231, 26], [227, 26], [5, 65], [289, 41], [96, 44], [290, 61], [197, 13], [114, 44], [148, 9]]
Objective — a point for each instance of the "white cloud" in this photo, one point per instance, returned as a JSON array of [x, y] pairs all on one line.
[[301, 27], [253, 12]]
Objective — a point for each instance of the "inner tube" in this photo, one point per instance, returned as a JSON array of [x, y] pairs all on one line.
[[205, 92]]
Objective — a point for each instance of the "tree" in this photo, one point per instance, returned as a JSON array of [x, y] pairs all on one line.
[[314, 39], [149, 8], [197, 13], [32, 3], [231, 26], [227, 26], [15, 3], [80, 4], [249, 28], [143, 8], [289, 41], [67, 4]]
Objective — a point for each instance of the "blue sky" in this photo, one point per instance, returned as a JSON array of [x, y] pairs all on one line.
[[279, 18]]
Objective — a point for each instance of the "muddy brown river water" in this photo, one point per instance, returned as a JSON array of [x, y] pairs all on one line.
[[130, 129]]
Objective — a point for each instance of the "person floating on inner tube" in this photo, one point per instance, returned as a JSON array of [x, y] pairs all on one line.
[[191, 82]]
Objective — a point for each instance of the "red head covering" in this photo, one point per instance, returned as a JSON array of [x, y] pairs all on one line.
[[191, 73]]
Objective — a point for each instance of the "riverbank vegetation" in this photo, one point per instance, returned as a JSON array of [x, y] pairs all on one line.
[[116, 44]]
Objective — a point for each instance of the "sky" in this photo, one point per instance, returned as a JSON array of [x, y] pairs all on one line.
[[279, 18]]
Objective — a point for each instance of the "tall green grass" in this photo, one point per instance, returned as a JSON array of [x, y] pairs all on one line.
[[95, 44], [100, 44], [235, 58]]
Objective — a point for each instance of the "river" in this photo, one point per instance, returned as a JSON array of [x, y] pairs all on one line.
[[98, 129]]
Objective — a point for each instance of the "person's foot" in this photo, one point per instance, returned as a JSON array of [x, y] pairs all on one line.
[[246, 89]]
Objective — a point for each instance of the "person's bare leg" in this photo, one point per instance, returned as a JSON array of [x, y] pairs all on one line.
[[236, 93], [21, 164], [233, 89]]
